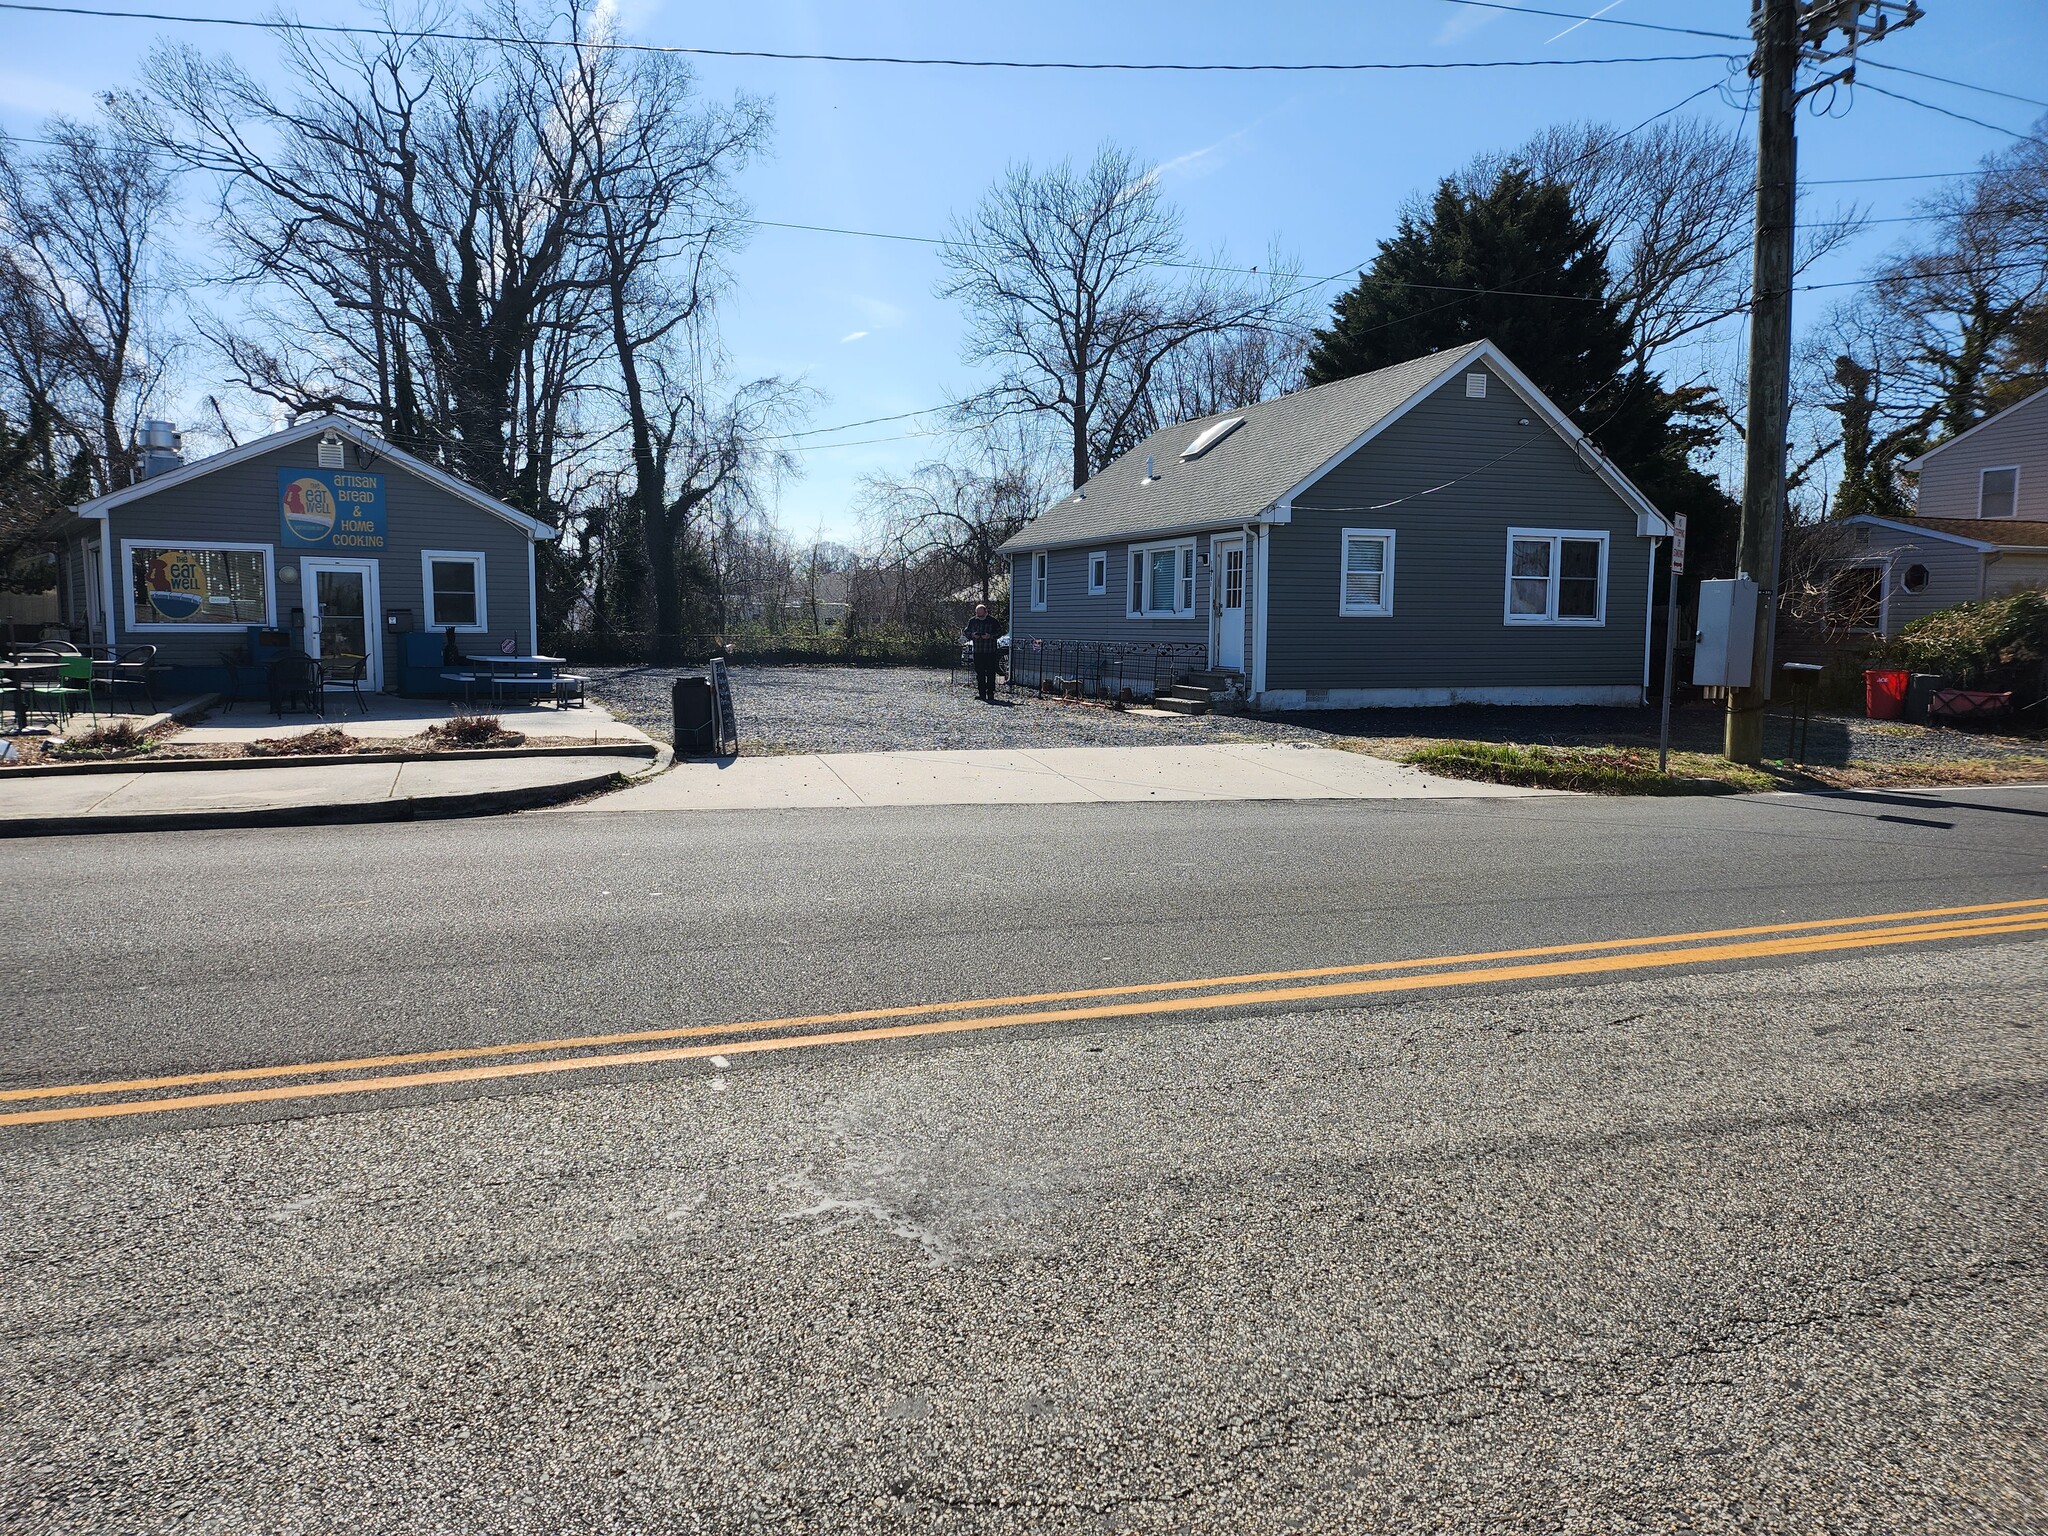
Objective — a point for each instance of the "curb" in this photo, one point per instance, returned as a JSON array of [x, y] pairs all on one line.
[[323, 760], [490, 802]]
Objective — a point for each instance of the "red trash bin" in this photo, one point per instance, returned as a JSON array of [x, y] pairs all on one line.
[[1884, 693]]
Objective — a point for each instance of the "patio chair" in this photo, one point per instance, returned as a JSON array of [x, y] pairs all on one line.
[[345, 672], [131, 670], [295, 686], [59, 698]]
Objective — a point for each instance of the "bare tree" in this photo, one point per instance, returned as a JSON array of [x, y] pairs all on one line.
[[79, 283], [422, 210], [961, 510], [1674, 205], [1075, 284]]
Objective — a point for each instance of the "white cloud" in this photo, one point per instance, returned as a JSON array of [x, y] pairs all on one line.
[[851, 336], [1463, 23], [42, 96]]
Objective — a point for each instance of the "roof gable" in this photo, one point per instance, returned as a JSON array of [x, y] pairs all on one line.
[[364, 439], [2038, 398], [1284, 446]]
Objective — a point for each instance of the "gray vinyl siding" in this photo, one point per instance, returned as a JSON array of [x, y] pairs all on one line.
[[1071, 613], [2014, 570], [1448, 629], [1950, 477], [1955, 572], [239, 504]]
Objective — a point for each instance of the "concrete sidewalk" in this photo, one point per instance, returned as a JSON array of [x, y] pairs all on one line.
[[1045, 776], [296, 794]]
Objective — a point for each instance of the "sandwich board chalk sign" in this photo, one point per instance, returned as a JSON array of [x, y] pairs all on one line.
[[728, 727]]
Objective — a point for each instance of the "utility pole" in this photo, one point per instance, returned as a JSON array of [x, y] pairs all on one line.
[[1788, 33]]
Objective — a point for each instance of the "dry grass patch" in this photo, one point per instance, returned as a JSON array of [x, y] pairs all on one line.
[[1590, 770]]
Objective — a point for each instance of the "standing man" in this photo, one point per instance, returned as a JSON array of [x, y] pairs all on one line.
[[981, 633]]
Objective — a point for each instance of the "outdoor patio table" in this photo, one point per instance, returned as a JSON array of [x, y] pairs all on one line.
[[18, 675], [518, 672]]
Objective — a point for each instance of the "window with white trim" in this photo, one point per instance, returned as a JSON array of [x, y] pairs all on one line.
[[1098, 572], [453, 580], [1556, 576], [192, 586], [1041, 579], [1365, 586], [1998, 492], [1162, 581]]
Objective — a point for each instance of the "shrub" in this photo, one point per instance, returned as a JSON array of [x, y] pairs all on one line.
[[1973, 642], [117, 738], [324, 741], [467, 730]]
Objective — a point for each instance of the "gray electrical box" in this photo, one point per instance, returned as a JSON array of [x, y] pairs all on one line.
[[1727, 634]]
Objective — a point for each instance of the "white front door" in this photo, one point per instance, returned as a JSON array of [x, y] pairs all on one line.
[[342, 605], [1226, 584]]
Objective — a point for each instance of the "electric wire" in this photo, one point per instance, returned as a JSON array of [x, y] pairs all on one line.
[[604, 45]]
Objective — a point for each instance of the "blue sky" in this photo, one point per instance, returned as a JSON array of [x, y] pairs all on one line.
[[1317, 163]]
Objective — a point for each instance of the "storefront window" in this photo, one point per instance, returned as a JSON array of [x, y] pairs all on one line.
[[198, 585]]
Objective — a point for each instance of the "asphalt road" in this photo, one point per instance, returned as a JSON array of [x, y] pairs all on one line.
[[1739, 1234]]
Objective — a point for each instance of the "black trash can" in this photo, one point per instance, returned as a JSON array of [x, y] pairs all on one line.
[[1922, 688], [696, 714]]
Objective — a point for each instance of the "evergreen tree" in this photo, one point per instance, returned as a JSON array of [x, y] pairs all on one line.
[[1516, 263]]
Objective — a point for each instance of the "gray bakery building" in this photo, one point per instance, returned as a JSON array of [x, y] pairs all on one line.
[[322, 537], [1436, 532]]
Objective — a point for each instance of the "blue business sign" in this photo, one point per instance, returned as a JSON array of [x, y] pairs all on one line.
[[333, 509]]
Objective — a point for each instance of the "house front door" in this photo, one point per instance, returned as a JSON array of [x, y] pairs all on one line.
[[341, 613], [1226, 583]]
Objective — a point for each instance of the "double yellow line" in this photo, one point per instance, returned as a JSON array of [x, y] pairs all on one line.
[[592, 1052]]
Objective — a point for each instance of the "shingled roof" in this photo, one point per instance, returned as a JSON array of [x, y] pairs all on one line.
[[1281, 442]]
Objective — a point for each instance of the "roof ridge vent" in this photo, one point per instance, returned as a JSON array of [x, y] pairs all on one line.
[[1210, 436]]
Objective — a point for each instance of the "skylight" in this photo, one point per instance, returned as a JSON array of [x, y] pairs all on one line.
[[1210, 436]]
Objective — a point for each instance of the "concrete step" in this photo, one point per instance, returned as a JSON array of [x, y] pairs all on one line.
[[1179, 706], [1193, 693], [1216, 679]]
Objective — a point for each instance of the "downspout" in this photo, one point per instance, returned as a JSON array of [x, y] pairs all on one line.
[[1649, 609], [1258, 667]]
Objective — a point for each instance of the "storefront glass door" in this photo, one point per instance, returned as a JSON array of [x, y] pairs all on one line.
[[341, 612]]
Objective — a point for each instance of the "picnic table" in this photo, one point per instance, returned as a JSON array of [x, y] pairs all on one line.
[[516, 676]]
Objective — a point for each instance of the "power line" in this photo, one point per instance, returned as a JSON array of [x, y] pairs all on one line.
[[1844, 181], [1961, 117], [585, 45], [1964, 85], [1605, 21]]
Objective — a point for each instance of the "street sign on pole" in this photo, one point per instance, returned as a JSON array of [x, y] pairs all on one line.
[[1678, 544]]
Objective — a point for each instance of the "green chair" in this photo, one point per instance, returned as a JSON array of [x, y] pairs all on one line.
[[74, 681]]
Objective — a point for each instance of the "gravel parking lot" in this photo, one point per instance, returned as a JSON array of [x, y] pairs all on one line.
[[882, 709]]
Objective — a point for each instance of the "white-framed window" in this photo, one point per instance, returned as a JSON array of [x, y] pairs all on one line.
[[1098, 572], [453, 580], [1998, 491], [189, 585], [1041, 579], [1162, 584], [1556, 576], [1365, 582]]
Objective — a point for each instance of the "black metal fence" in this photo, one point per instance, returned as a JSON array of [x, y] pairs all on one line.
[[1093, 669]]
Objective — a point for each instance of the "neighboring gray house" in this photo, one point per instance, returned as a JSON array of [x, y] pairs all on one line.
[[1437, 532], [323, 531], [1979, 528]]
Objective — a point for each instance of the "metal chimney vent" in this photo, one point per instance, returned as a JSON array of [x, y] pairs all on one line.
[[163, 449], [331, 452], [1148, 467]]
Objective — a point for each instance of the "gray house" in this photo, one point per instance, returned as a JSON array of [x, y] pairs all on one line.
[[1437, 532], [1979, 529], [324, 532]]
